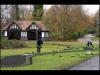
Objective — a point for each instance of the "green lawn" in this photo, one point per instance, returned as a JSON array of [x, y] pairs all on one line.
[[31, 48], [50, 62], [47, 47], [54, 62], [96, 38]]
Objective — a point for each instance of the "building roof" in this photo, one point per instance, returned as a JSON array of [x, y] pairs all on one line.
[[23, 25]]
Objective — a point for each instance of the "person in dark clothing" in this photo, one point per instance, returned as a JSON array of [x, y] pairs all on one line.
[[39, 45]]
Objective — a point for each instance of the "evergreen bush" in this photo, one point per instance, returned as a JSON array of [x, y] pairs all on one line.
[[8, 44]]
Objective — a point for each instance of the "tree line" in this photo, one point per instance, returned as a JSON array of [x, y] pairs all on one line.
[[65, 22], [69, 22]]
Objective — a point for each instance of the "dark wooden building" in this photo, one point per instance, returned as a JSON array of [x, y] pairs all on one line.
[[25, 30]]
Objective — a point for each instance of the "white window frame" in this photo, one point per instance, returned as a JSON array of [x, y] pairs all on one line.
[[5, 33], [23, 34], [13, 26], [45, 34], [42, 34], [33, 26]]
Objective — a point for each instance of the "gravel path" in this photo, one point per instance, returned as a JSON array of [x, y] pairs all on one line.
[[91, 64]]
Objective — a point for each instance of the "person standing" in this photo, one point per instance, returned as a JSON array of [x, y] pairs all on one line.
[[39, 45], [89, 43]]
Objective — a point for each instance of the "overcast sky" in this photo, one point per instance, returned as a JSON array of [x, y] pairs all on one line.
[[92, 9]]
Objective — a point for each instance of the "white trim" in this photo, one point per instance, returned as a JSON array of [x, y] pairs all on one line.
[[33, 26], [23, 34], [5, 33], [13, 26], [42, 34]]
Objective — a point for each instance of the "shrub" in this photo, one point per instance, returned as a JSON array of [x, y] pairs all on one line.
[[72, 36], [6, 44]]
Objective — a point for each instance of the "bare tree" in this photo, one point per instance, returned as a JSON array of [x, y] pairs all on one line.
[[66, 20], [26, 12], [5, 16]]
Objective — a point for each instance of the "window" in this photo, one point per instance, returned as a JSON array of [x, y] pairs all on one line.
[[23, 34], [33, 26], [5, 33], [44, 34], [13, 26]]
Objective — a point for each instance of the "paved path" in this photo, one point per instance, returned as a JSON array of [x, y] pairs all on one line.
[[91, 64]]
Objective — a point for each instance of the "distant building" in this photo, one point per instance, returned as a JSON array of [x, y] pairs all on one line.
[[25, 30]]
